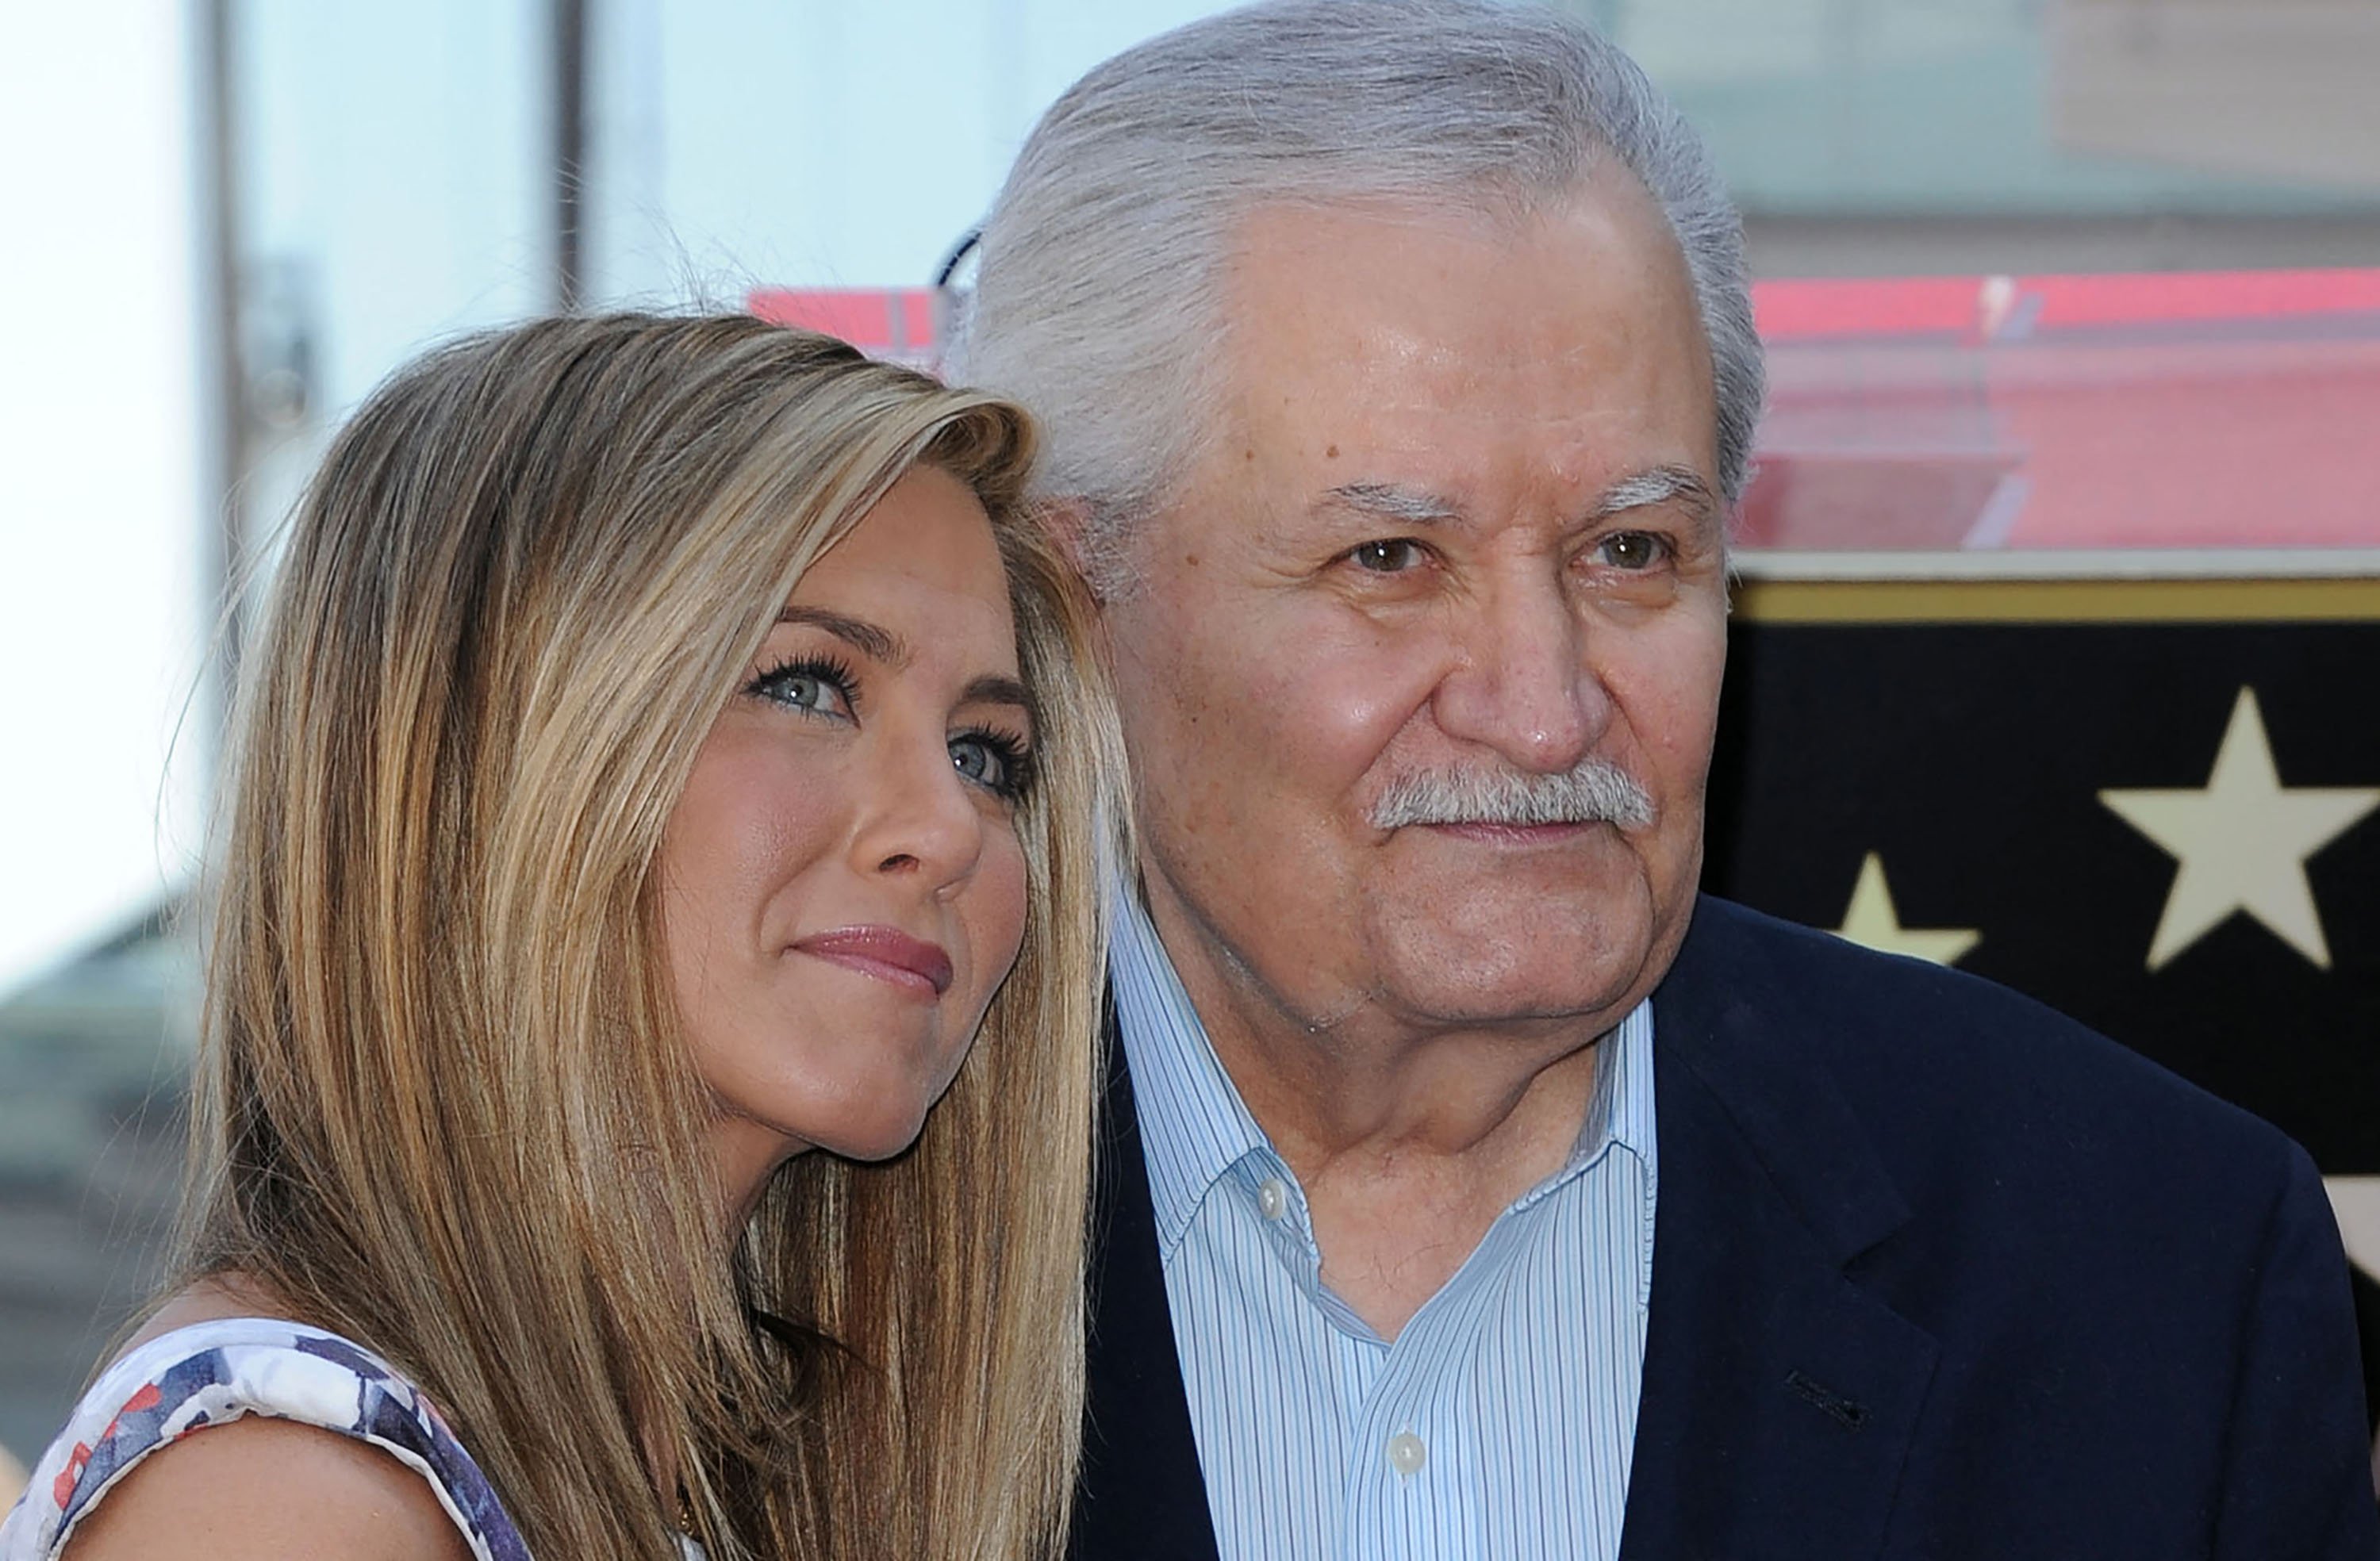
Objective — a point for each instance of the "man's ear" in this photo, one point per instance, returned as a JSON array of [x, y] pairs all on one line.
[[1095, 555], [1066, 522]]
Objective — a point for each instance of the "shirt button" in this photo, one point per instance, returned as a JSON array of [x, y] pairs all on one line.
[[1273, 1198], [1407, 1453]]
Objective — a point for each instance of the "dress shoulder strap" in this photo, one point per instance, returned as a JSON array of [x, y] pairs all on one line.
[[210, 1374]]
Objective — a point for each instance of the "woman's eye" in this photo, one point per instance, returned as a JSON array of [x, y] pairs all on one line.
[[1391, 555], [1631, 551], [976, 762], [814, 687], [806, 693], [997, 764]]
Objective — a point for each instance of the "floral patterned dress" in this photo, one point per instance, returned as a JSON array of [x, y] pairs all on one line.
[[213, 1372]]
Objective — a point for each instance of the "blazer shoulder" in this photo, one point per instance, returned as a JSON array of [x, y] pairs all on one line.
[[1949, 1069]]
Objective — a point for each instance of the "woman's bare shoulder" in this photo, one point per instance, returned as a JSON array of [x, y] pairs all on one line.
[[211, 1300], [267, 1488], [258, 1486]]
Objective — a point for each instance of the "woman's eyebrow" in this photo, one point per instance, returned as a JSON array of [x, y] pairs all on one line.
[[994, 689], [876, 644]]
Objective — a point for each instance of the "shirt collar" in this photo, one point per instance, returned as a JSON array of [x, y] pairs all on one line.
[[1620, 1111], [1195, 1128]]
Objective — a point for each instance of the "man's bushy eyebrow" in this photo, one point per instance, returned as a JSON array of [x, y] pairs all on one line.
[[1396, 502], [1399, 503], [1661, 485]]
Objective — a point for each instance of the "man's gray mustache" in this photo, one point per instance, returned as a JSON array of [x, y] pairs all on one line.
[[1593, 791]]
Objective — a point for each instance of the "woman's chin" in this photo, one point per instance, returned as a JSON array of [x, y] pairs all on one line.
[[879, 1136]]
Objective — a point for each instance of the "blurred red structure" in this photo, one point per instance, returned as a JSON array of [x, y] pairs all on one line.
[[2228, 410], [2186, 410], [899, 324]]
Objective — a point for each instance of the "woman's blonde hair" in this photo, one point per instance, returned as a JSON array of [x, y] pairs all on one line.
[[444, 1102]]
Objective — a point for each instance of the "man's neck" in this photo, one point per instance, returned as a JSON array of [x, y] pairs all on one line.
[[1408, 1139]]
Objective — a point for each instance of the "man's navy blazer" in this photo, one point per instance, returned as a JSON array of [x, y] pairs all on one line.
[[1935, 1273]]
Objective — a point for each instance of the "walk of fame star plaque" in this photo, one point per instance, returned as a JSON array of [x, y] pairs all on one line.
[[2152, 805]]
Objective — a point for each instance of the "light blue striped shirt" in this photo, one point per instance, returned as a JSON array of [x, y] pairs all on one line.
[[1498, 1423]]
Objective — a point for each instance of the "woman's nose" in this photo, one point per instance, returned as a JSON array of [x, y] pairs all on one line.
[[921, 817]]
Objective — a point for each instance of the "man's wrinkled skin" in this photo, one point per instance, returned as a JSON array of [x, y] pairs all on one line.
[[1420, 539]]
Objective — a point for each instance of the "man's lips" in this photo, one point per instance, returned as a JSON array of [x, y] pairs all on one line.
[[885, 952], [1511, 834]]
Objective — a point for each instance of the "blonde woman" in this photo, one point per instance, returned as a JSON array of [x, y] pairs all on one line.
[[670, 748]]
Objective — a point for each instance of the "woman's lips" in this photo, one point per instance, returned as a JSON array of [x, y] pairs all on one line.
[[885, 952]]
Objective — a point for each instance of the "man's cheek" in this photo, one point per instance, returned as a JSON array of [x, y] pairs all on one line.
[[1352, 690], [1666, 687]]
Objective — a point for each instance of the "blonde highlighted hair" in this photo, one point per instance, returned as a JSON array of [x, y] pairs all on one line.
[[444, 1104]]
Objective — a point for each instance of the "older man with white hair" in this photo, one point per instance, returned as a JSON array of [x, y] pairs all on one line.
[[1474, 1188]]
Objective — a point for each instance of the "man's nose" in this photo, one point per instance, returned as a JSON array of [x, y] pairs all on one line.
[[921, 818], [1522, 686]]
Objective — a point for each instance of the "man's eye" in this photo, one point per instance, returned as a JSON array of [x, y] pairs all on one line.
[[1631, 549], [1391, 556]]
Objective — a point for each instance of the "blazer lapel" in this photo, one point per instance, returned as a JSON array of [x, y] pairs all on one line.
[[1779, 1397], [1141, 1494]]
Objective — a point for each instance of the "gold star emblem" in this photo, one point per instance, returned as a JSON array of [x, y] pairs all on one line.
[[1872, 922], [2242, 841]]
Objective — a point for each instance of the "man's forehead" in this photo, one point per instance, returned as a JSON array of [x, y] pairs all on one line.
[[1340, 296], [1496, 213], [1420, 367]]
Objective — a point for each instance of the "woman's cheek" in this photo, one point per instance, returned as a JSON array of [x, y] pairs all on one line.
[[1002, 883]]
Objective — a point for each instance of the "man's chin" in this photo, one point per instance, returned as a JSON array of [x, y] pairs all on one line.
[[1540, 962], [1517, 1006]]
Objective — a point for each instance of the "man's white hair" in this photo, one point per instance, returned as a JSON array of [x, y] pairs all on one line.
[[1098, 297]]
